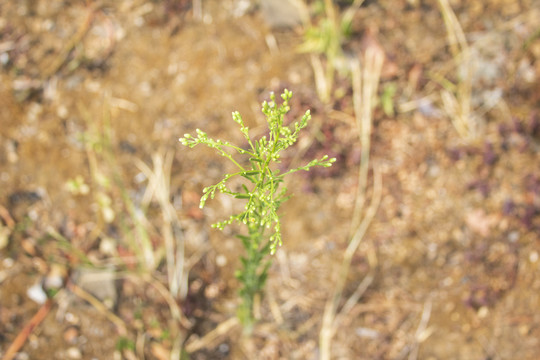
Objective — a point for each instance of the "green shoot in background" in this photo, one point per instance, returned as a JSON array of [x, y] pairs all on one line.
[[261, 190]]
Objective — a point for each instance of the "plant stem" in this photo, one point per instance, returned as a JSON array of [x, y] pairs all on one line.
[[254, 271]]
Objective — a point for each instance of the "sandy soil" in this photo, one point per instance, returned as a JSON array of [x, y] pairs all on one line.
[[89, 91]]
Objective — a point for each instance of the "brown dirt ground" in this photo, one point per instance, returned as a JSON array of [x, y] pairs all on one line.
[[456, 234]]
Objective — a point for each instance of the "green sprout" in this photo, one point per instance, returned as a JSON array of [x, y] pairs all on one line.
[[262, 190]]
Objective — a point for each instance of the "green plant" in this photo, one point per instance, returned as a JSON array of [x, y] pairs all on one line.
[[124, 343], [387, 99], [261, 190], [324, 42]]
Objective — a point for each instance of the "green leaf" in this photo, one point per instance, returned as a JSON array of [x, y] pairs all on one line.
[[251, 179], [243, 196]]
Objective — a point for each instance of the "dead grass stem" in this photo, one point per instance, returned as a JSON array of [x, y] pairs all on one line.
[[365, 85], [456, 98], [220, 331], [99, 306], [159, 189]]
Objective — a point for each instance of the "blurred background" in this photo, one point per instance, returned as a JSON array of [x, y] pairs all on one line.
[[420, 242]]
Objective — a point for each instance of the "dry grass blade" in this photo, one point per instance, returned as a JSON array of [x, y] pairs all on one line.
[[363, 100], [358, 236], [221, 330], [5, 230], [176, 332], [274, 308], [422, 332], [456, 37], [83, 29], [98, 305], [98, 140], [159, 189], [331, 317], [365, 85], [321, 82], [8, 219], [457, 103], [348, 14], [164, 292]]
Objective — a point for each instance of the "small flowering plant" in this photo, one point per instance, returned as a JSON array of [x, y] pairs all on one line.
[[262, 190]]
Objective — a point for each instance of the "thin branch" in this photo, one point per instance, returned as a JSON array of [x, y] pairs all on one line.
[[20, 340]]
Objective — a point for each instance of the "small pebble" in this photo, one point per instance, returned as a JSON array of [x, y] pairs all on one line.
[[223, 348], [524, 330], [368, 333], [513, 236], [71, 334], [211, 291], [37, 294], [74, 353], [483, 312], [23, 356], [71, 318], [8, 262], [221, 260], [55, 277]]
